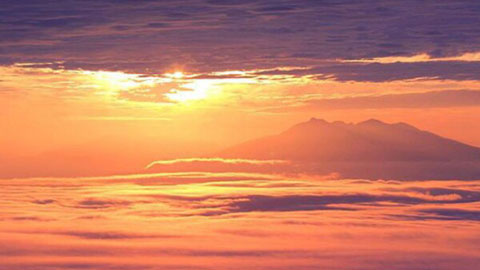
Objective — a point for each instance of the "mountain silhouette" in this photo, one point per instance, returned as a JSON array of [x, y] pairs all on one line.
[[370, 150], [371, 140]]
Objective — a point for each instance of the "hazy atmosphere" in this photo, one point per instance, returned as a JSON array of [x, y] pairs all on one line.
[[239, 134]]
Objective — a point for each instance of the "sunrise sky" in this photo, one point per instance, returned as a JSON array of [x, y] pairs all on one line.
[[133, 89], [121, 84]]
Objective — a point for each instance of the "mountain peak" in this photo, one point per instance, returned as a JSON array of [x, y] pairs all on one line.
[[372, 122], [317, 120]]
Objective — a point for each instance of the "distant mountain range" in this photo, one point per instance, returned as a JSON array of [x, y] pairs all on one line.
[[372, 140], [371, 149]]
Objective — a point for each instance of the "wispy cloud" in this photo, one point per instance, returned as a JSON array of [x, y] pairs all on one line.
[[219, 160], [434, 99], [467, 57]]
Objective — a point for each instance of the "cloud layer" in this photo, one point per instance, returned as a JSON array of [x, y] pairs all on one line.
[[106, 34], [262, 221]]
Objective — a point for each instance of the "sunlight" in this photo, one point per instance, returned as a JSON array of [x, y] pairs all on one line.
[[185, 90], [115, 80], [112, 83], [175, 75], [199, 90]]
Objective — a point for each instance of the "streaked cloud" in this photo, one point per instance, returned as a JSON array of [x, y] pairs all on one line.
[[434, 99], [219, 165], [98, 36], [467, 57], [451, 214]]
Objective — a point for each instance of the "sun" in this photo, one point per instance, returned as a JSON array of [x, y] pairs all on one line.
[[175, 75], [178, 75]]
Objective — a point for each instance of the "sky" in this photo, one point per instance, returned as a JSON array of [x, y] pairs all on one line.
[[113, 114], [166, 79]]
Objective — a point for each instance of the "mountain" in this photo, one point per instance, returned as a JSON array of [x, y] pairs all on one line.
[[369, 150], [320, 141]]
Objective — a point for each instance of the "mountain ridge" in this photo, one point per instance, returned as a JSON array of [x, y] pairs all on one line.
[[369, 140]]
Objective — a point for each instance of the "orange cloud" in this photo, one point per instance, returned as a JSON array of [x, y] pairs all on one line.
[[423, 57]]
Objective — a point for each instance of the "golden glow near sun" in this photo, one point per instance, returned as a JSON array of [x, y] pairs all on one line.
[[178, 75], [183, 89], [199, 90], [188, 89]]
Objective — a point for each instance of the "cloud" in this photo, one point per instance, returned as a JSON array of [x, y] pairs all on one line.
[[333, 202], [468, 57], [153, 93], [46, 201], [385, 72], [466, 196], [29, 218], [225, 169], [136, 222], [91, 265], [104, 235], [433, 99], [218, 165], [94, 203], [220, 160], [404, 71], [100, 34], [451, 214]]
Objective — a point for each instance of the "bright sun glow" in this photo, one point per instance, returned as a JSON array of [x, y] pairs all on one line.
[[111, 83], [175, 75], [199, 90], [182, 88]]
